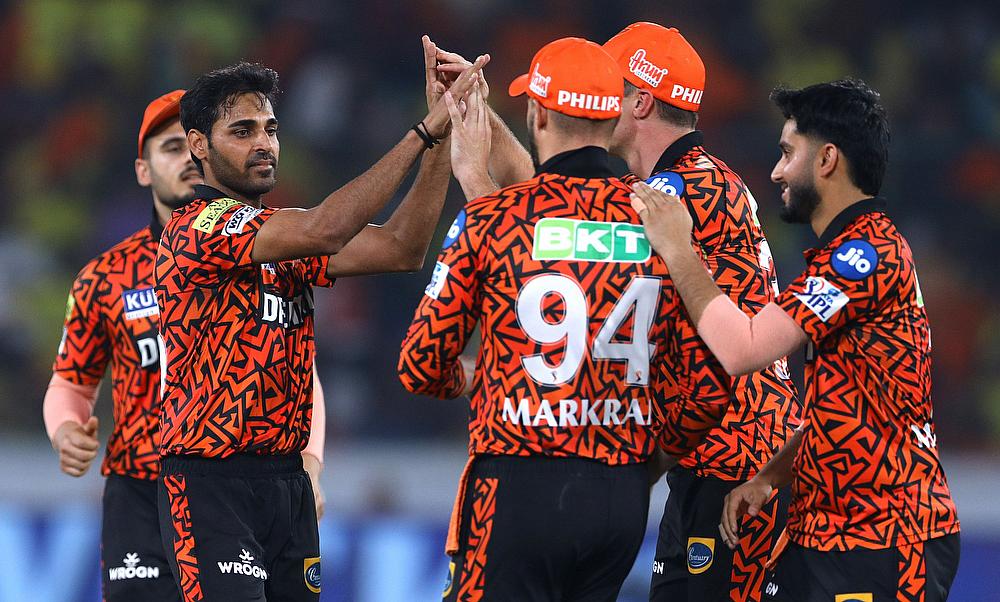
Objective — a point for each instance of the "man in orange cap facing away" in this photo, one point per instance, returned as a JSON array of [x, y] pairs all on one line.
[[112, 319], [664, 87], [585, 355]]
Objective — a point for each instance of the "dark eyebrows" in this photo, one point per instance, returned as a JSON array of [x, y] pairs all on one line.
[[251, 123], [171, 140]]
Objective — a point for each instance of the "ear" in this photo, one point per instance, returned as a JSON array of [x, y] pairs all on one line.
[[827, 160], [198, 144], [644, 104], [142, 176], [541, 116]]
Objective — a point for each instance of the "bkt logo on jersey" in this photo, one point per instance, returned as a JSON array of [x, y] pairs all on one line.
[[855, 259], [560, 238], [139, 303], [132, 570], [822, 298], [853, 598], [700, 553]]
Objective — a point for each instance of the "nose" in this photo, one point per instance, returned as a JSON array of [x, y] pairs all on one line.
[[263, 142], [776, 172]]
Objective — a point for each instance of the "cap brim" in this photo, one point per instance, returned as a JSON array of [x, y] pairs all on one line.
[[519, 86]]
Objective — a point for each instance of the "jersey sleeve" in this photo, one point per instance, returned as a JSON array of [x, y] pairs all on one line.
[[446, 316], [843, 284], [209, 243], [85, 348], [698, 387], [313, 271]]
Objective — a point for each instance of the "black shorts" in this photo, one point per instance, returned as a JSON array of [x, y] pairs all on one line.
[[540, 528], [243, 528], [921, 571], [692, 563], [133, 565]]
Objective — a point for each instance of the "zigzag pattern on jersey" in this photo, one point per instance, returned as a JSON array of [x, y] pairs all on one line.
[[865, 475], [490, 263], [758, 535], [764, 409], [912, 579], [235, 381], [184, 544], [97, 334], [472, 583]]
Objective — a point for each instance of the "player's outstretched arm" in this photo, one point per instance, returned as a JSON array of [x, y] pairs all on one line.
[[509, 161], [751, 496], [401, 244], [741, 344], [328, 228]]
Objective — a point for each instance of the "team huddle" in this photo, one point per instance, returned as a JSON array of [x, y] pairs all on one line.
[[629, 327]]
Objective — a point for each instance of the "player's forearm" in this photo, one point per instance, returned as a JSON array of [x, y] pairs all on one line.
[[440, 377], [67, 402], [412, 224], [692, 279], [510, 163], [330, 226], [742, 344], [317, 428], [778, 471]]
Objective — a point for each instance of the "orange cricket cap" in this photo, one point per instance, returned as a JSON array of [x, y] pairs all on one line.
[[575, 77], [661, 61], [160, 110]]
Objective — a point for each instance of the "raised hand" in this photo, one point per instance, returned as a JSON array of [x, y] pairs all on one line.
[[77, 446], [435, 83], [470, 142], [666, 218], [451, 64], [438, 119]]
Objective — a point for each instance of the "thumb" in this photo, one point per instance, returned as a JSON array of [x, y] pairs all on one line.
[[91, 427]]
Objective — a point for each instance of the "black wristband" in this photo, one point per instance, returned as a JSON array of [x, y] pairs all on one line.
[[429, 141]]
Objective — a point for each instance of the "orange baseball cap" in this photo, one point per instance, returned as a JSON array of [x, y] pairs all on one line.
[[160, 110], [661, 61], [575, 77]]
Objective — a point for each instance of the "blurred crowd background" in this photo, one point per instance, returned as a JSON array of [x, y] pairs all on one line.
[[75, 77]]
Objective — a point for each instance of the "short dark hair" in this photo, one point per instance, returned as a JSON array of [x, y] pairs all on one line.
[[581, 125], [667, 112], [217, 91], [848, 114]]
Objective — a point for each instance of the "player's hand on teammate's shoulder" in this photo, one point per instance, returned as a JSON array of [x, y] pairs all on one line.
[[666, 219], [748, 498], [77, 445]]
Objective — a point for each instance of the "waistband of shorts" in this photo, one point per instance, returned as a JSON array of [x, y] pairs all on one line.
[[248, 465], [561, 465]]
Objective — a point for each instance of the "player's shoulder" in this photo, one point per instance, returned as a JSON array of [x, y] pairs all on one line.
[[203, 214], [126, 250]]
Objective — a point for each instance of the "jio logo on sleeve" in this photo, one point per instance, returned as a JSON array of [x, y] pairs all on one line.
[[855, 259]]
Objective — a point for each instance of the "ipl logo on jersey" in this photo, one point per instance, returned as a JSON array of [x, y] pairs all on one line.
[[139, 303], [822, 298]]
